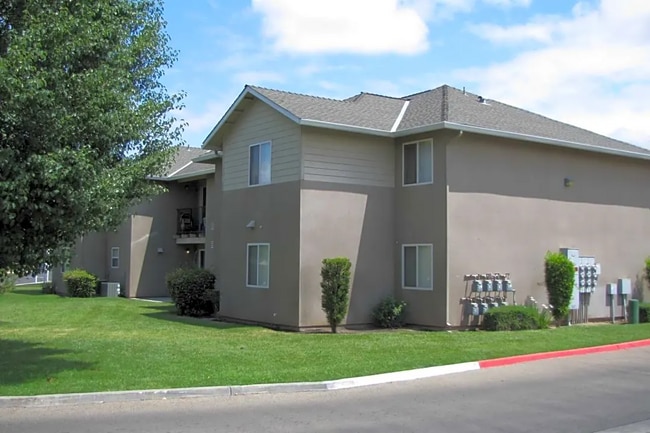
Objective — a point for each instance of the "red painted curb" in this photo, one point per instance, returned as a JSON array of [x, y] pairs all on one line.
[[499, 362]]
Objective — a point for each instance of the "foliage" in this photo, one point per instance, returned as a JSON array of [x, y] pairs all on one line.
[[84, 120], [7, 281], [80, 346], [335, 289], [192, 290], [559, 275], [80, 283], [389, 313], [647, 269], [48, 288], [514, 318], [644, 312]]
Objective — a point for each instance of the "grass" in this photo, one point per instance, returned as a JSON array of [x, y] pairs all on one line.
[[50, 344]]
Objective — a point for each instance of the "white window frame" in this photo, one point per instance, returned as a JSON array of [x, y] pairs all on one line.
[[250, 148], [257, 285], [417, 162], [115, 257], [417, 254]]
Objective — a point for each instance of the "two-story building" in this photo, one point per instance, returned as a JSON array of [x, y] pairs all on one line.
[[418, 192]]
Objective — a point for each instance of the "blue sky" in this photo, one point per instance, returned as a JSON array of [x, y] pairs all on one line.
[[583, 62]]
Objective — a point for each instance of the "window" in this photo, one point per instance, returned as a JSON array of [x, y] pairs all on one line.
[[259, 164], [257, 265], [417, 267], [115, 257], [417, 159]]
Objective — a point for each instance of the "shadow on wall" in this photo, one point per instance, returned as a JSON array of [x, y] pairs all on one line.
[[26, 362]]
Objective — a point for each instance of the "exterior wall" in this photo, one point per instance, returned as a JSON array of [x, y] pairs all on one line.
[[508, 206], [275, 209], [153, 226], [120, 238], [421, 218], [346, 221], [90, 253], [353, 159], [213, 222], [259, 123]]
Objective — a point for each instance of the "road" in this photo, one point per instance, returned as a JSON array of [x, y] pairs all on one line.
[[585, 394]]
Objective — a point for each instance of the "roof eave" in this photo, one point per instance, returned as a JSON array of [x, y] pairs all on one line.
[[344, 127], [545, 140], [211, 156]]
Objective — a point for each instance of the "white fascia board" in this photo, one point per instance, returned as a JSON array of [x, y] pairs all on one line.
[[545, 140], [176, 171], [190, 175], [344, 127], [208, 156], [400, 116]]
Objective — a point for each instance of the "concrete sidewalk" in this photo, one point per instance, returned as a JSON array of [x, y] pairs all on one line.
[[330, 385]]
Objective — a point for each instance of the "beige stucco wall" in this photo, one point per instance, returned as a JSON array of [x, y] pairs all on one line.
[[259, 123], [508, 206], [346, 221], [213, 221], [421, 218], [90, 254], [120, 238], [153, 226], [275, 209]]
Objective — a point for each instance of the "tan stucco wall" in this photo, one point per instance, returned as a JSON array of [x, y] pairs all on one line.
[[90, 254], [120, 238], [508, 206], [213, 223], [153, 226], [346, 221], [275, 209], [421, 218]]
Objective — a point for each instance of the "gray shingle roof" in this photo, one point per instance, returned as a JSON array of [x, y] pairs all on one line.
[[183, 164], [443, 104]]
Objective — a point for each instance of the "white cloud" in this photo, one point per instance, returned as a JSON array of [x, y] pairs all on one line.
[[343, 26], [591, 69]]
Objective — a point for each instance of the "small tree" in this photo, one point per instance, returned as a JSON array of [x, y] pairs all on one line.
[[647, 269], [335, 285], [559, 275]]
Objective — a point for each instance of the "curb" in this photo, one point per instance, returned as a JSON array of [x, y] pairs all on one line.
[[281, 388]]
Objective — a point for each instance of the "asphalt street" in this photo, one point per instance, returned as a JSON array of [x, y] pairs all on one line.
[[585, 394]]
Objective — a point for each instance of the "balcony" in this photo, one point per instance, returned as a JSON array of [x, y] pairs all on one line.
[[190, 225]]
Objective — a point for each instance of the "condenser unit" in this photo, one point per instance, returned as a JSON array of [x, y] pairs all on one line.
[[110, 290]]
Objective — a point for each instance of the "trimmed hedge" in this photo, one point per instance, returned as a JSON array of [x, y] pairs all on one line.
[[389, 313], [335, 289], [514, 318], [80, 283], [193, 292], [559, 276], [644, 312]]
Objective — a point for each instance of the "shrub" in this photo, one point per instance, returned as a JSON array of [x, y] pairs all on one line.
[[80, 283], [7, 281], [389, 313], [647, 269], [48, 288], [559, 275], [192, 290], [514, 318], [335, 289], [644, 312]]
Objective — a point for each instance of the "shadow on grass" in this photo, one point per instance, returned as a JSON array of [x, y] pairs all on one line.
[[28, 291], [168, 312], [22, 362]]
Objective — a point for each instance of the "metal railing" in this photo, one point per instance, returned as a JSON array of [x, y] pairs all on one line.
[[190, 221]]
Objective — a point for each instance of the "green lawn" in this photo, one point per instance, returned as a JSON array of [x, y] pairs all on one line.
[[50, 344]]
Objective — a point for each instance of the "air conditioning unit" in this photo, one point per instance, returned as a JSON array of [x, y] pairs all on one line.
[[110, 290]]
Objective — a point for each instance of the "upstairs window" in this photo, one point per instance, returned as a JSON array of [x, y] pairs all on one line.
[[115, 257], [259, 164], [417, 158]]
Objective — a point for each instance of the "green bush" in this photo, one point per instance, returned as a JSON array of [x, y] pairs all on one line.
[[559, 275], [193, 292], [389, 313], [644, 312], [647, 269], [514, 318], [7, 281], [80, 283], [335, 289], [48, 288]]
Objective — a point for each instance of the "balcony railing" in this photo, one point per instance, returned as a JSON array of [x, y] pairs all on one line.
[[190, 221]]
